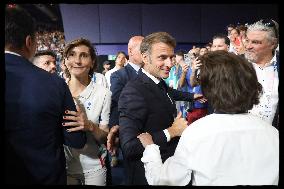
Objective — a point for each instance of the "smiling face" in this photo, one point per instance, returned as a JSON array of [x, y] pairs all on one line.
[[258, 47], [159, 61], [79, 61]]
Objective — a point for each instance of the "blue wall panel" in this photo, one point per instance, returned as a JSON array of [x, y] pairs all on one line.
[[119, 22], [181, 21], [110, 26], [81, 20]]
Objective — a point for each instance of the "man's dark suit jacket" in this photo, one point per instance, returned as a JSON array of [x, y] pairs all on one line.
[[35, 101], [118, 81], [143, 107]]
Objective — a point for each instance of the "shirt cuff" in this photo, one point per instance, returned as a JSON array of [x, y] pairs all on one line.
[[151, 154], [167, 135]]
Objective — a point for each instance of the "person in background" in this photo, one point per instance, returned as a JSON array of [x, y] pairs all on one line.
[[120, 60], [45, 60], [235, 41], [106, 66], [226, 148], [208, 46], [99, 78], [119, 79], [64, 72], [262, 41], [203, 51], [35, 102], [230, 27], [178, 72], [86, 166], [196, 109], [220, 42]]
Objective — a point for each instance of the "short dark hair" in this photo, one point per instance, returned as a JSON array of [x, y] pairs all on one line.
[[92, 50], [229, 82], [222, 36], [149, 40], [242, 28], [106, 62], [230, 26], [45, 52], [18, 25], [181, 53]]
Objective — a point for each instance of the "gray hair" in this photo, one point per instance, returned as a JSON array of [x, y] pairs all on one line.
[[260, 26]]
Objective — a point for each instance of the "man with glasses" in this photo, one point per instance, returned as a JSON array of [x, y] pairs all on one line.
[[262, 40]]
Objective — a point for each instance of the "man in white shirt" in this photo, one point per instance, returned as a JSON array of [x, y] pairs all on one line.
[[260, 51]]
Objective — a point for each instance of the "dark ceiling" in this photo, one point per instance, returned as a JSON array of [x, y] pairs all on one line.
[[45, 13]]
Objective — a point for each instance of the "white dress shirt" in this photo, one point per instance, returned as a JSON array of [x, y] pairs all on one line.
[[134, 66], [219, 149], [268, 78]]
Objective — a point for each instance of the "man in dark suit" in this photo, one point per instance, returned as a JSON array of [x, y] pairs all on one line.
[[119, 79], [145, 105], [35, 101]]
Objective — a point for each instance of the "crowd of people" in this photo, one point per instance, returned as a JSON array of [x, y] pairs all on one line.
[[50, 39], [202, 116]]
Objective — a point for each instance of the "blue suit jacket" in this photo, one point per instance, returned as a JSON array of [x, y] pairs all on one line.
[[118, 80], [35, 101]]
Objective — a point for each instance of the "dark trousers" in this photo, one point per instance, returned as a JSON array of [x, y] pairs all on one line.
[[108, 176]]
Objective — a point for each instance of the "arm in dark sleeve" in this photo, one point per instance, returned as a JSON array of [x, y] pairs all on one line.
[[179, 95], [133, 115], [76, 139], [116, 87]]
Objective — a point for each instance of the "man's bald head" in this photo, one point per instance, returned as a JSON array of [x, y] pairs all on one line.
[[134, 50]]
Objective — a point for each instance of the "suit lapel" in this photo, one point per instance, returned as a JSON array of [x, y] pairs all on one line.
[[130, 72], [151, 85]]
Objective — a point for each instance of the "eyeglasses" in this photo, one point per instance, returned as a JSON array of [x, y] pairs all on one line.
[[270, 23]]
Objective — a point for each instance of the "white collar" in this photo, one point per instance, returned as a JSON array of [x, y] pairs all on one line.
[[151, 76], [272, 62], [10, 52], [136, 67]]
